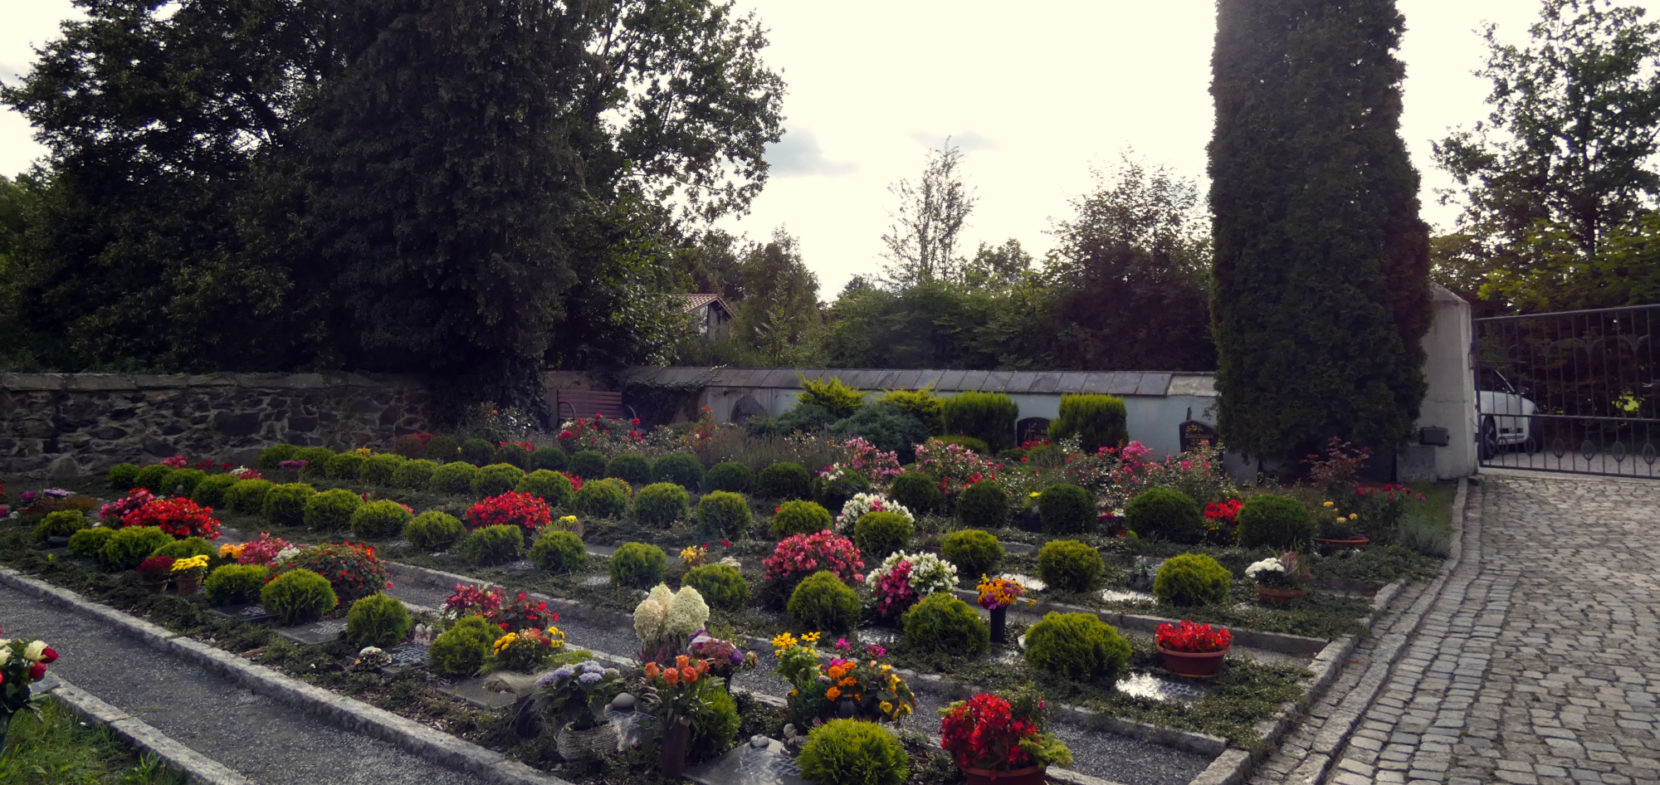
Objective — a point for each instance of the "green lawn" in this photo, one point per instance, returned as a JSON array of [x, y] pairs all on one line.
[[58, 748]]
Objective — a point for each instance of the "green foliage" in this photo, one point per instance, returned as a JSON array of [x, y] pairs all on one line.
[[548, 458], [714, 725], [443, 448], [975, 552], [784, 480], [462, 649], [729, 476], [834, 493], [496, 479], [721, 585], [1097, 420], [121, 477], [917, 492], [477, 451], [298, 596], [803, 417], [455, 477], [588, 464], [988, 417], [379, 519], [1192, 579], [983, 505], [943, 623], [558, 551], [1275, 521], [1076, 646], [977, 445], [799, 517], [661, 504], [186, 548], [513, 455], [210, 492], [493, 545], [922, 404], [1066, 509], [548, 485], [723, 513], [344, 466], [600, 499], [415, 474], [150, 477], [410, 446], [61, 523], [886, 426], [380, 469], [235, 584], [316, 458], [1166, 514], [852, 752], [880, 533], [377, 620], [131, 545], [433, 531], [683, 469], [248, 496], [89, 543], [822, 602], [1070, 566], [270, 459], [331, 510], [831, 395], [628, 466], [637, 565], [181, 482]]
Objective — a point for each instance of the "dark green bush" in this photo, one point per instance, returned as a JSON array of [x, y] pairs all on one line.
[[683, 469], [380, 469], [805, 418], [975, 552], [714, 726], [210, 492], [942, 623], [477, 451], [496, 479], [633, 468], [415, 474], [377, 620], [723, 513], [853, 752], [1192, 579], [433, 531], [600, 499], [121, 477], [729, 476], [410, 446], [988, 417], [150, 477], [1165, 514], [548, 458], [379, 519], [1275, 521], [270, 459], [822, 602], [316, 460], [61, 523], [834, 493], [880, 533], [462, 649], [1076, 646], [513, 455], [443, 448], [129, 546], [886, 426], [235, 584], [344, 466], [285, 504], [558, 551], [983, 505], [977, 445], [721, 585], [455, 477], [248, 496], [89, 543], [493, 545], [918, 492], [186, 548], [799, 517], [661, 504], [298, 596], [924, 405], [784, 481], [1070, 566], [181, 482], [637, 565], [331, 511], [588, 464], [1066, 509], [1097, 420], [548, 485]]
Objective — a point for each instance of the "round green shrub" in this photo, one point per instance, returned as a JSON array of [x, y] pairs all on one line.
[[380, 469], [1069, 565], [60, 523], [285, 504], [270, 459], [210, 492], [1165, 514], [1191, 579], [344, 466], [886, 426], [186, 548], [1097, 420], [661, 504], [548, 458], [588, 464], [496, 479], [477, 451], [433, 531], [89, 543], [379, 519], [806, 417], [331, 511], [1275, 521], [784, 481], [714, 725], [455, 477], [729, 476], [977, 445], [129, 546], [377, 620], [298, 596], [150, 477], [443, 448], [721, 585], [248, 496], [941, 622], [983, 505], [414, 475], [800, 517], [548, 485], [494, 545], [235, 584], [633, 468], [834, 493], [880, 533], [462, 649], [513, 455], [181, 482], [682, 469], [558, 551], [1076, 646], [1066, 509], [316, 460], [853, 752], [121, 476], [600, 499], [917, 492], [822, 602], [975, 552], [637, 565], [723, 513]]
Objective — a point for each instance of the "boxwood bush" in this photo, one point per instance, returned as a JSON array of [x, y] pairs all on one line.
[[661, 504], [1066, 509], [880, 533], [784, 480], [917, 492], [344, 466], [975, 552], [548, 458], [121, 476], [633, 468], [1076, 646], [181, 482], [822, 602], [1165, 514], [316, 460], [513, 455], [682, 469], [477, 451], [1192, 579], [799, 517], [983, 505], [210, 492], [1275, 521], [723, 513], [729, 476], [637, 565], [588, 464], [1070, 566], [443, 448], [270, 459], [150, 477]]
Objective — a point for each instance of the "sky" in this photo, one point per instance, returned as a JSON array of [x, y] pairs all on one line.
[[1035, 100]]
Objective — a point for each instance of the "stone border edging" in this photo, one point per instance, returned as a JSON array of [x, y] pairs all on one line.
[[196, 767], [487, 765]]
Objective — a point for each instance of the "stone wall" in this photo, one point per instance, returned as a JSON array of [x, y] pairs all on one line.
[[61, 425]]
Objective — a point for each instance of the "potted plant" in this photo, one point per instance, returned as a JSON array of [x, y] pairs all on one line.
[[675, 695], [154, 573], [21, 662], [868, 689], [1338, 530], [724, 657], [188, 572], [1279, 578], [574, 697], [1193, 650], [996, 740], [996, 595]]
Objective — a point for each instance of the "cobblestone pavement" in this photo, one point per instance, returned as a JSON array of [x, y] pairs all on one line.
[[1531, 662]]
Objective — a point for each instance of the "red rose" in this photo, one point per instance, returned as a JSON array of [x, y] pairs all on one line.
[[37, 671], [48, 655]]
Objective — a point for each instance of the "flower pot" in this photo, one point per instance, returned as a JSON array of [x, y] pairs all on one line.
[[154, 585], [1193, 664], [1271, 594], [574, 744], [1334, 544], [671, 756], [999, 625], [187, 584], [1031, 775]]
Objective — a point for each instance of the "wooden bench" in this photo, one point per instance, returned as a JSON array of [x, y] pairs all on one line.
[[571, 404]]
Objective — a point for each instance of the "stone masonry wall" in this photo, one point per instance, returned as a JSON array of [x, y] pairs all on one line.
[[62, 425]]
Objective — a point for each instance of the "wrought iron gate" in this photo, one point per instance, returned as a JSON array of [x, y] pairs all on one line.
[[1572, 391]]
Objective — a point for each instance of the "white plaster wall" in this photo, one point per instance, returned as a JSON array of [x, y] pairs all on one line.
[[1450, 401]]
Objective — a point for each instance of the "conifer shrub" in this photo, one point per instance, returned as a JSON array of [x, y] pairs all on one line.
[[784, 480], [834, 492], [983, 505], [455, 477], [729, 476], [186, 548], [89, 543], [822, 602], [548, 485], [462, 649], [917, 492], [548, 458], [1165, 514], [853, 752], [496, 479], [1066, 509], [600, 499], [380, 469], [344, 466], [880, 533], [379, 519], [721, 585], [988, 417], [1192, 579], [941, 622], [270, 459], [285, 504], [443, 448], [248, 496], [150, 477], [235, 584], [415, 474], [1076, 646], [831, 394], [923, 404], [588, 464], [60, 523], [637, 565], [630, 467], [800, 517], [1070, 566], [210, 492], [714, 726], [1278, 522], [181, 482], [661, 504], [558, 551], [121, 477], [513, 455], [298, 596], [968, 442], [131, 545], [477, 451], [1097, 420], [724, 514], [377, 620], [681, 468], [434, 531], [331, 510], [493, 545], [975, 552], [316, 460], [887, 427]]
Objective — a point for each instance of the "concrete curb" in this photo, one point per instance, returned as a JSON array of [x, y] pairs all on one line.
[[486, 765], [196, 767]]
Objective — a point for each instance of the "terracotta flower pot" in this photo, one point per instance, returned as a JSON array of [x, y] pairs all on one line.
[[1271, 594], [1193, 664], [155, 585], [187, 584], [1331, 545], [1031, 775]]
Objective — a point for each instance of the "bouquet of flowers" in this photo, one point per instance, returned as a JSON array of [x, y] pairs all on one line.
[[21, 662], [1000, 592], [724, 657], [523, 651], [904, 578], [1221, 519], [675, 691], [1285, 571], [666, 619], [112, 513], [261, 551], [990, 732], [578, 694], [870, 687]]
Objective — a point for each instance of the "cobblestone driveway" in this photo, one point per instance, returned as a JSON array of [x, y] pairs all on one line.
[[1536, 661]]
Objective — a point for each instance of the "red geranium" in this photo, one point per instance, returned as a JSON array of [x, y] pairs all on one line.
[[1194, 637], [115, 511], [983, 733], [513, 508], [1227, 511], [177, 516]]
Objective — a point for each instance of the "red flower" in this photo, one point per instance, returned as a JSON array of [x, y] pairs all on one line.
[[1193, 637], [37, 671]]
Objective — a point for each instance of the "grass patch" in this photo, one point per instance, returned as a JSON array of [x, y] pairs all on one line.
[[58, 748]]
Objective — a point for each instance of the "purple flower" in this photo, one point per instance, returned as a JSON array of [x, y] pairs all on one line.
[[588, 679], [58, 493], [737, 657]]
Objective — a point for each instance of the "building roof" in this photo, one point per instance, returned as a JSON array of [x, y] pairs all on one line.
[[696, 301], [1011, 382]]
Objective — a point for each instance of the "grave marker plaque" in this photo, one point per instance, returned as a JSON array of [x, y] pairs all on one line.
[[1195, 434]]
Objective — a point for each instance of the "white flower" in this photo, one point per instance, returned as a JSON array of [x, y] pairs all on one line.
[[863, 503], [652, 611], [35, 652], [285, 554], [929, 573], [1265, 566], [688, 613], [731, 562], [5, 652]]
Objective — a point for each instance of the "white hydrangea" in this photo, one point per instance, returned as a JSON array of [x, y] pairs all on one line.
[[929, 573], [652, 611], [665, 614], [688, 613], [1259, 568], [862, 503], [285, 554]]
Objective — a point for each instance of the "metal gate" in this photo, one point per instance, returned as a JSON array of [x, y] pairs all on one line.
[[1572, 391]]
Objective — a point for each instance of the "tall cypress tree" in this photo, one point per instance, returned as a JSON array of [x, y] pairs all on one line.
[[1320, 296]]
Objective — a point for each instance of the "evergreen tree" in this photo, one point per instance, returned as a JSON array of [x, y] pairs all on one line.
[[1320, 298]]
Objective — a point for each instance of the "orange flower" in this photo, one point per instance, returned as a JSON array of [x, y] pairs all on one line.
[[671, 676], [652, 670], [833, 693], [836, 671], [682, 661], [689, 674], [702, 666], [848, 682]]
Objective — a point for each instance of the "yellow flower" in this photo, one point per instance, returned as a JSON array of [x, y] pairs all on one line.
[[783, 641], [199, 562], [503, 642], [568, 519], [887, 707], [1034, 495], [1354, 516], [809, 638], [1330, 504]]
